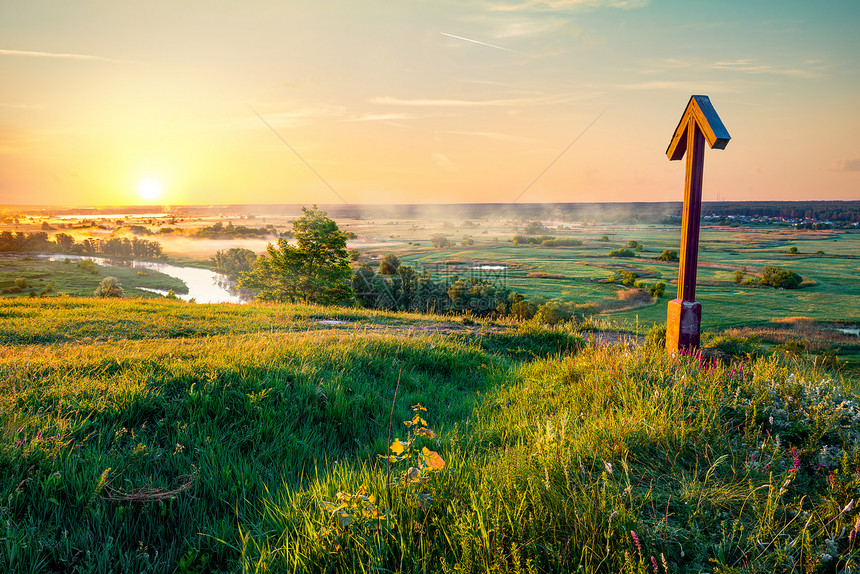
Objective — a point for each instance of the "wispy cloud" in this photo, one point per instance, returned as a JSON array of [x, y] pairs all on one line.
[[440, 103], [477, 42], [443, 162], [569, 4], [808, 69], [380, 117], [846, 164], [62, 55], [21, 106], [674, 85], [491, 135]]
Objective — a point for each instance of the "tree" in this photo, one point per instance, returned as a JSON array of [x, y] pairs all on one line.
[[440, 241], [109, 287], [315, 270], [779, 277], [234, 261], [389, 264], [668, 255]]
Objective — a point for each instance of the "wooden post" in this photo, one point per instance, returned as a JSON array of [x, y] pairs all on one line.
[[699, 123]]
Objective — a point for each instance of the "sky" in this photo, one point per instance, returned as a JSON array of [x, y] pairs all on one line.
[[409, 101]]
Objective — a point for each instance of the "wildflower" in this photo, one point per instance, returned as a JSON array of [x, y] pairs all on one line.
[[636, 540], [611, 516], [665, 564], [39, 435], [796, 466], [607, 466], [654, 565]]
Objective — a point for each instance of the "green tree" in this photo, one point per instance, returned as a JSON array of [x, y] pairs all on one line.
[[315, 270], [779, 277], [440, 241], [668, 255], [389, 264], [234, 261]]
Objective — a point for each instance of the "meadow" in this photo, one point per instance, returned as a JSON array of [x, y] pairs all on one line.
[[162, 436]]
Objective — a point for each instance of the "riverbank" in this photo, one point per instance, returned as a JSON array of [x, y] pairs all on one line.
[[51, 274]]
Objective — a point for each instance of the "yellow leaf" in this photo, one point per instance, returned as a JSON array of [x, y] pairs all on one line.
[[397, 447], [433, 459]]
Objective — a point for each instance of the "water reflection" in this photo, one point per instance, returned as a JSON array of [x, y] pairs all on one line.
[[204, 286]]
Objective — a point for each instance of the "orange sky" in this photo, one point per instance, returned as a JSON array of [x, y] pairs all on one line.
[[422, 101]]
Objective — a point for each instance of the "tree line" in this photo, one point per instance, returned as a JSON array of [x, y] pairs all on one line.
[[64, 243], [316, 269]]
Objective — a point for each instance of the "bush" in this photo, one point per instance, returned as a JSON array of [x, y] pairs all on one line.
[[621, 253], [21, 282], [552, 313], [87, 266], [109, 287], [658, 289], [668, 255], [779, 277], [792, 250], [733, 345], [656, 336], [561, 243], [440, 242]]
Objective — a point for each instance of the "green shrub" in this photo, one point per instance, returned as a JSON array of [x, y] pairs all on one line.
[[87, 266], [21, 283], [109, 287], [733, 345], [779, 277], [621, 253], [656, 336], [668, 255]]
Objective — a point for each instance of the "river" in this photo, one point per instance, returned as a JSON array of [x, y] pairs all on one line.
[[204, 286]]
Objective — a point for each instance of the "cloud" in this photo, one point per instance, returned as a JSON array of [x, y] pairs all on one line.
[[492, 135], [569, 5], [445, 163], [380, 117], [444, 103], [684, 86], [846, 164], [61, 55], [809, 68]]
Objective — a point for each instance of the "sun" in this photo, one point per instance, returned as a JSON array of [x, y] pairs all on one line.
[[150, 188]]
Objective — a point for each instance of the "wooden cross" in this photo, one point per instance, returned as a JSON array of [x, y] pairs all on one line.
[[700, 122]]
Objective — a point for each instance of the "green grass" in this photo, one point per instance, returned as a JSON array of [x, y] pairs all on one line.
[[70, 279], [157, 436]]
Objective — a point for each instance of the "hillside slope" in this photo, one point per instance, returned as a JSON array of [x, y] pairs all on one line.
[[156, 436]]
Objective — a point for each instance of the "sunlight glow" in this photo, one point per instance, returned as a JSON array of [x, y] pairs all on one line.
[[150, 189]]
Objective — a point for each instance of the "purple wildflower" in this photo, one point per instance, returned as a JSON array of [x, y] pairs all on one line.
[[636, 540], [655, 565], [796, 466], [39, 436]]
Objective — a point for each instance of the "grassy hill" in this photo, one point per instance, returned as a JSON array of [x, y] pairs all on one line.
[[158, 436]]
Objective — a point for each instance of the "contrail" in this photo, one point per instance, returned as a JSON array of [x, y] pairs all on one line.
[[310, 167], [62, 55], [478, 42]]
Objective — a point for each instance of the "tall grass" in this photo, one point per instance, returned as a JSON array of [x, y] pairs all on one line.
[[253, 443]]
